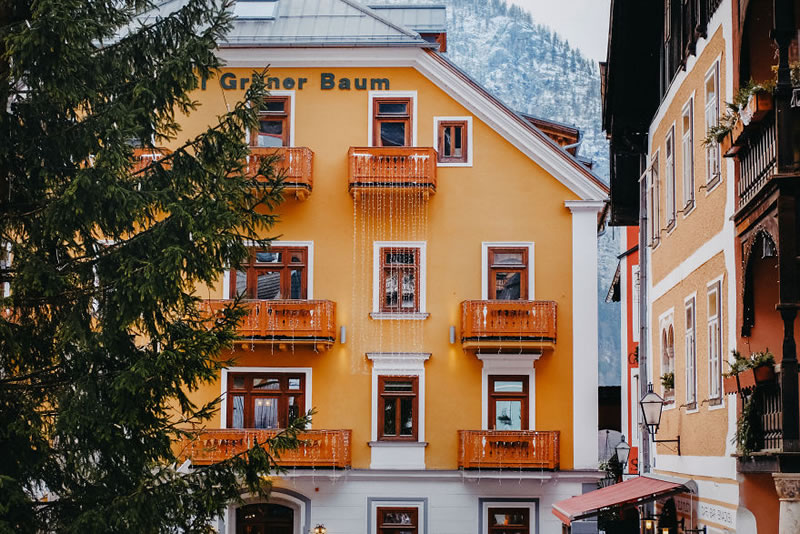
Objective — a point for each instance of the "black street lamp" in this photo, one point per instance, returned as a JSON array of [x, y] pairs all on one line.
[[652, 404]]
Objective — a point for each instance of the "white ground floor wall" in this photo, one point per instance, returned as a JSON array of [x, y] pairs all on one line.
[[448, 502]]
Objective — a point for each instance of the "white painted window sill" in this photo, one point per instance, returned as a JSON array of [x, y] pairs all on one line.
[[390, 444], [388, 316]]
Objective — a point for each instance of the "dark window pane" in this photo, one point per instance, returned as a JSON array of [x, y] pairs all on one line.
[[393, 134], [296, 278], [241, 284], [268, 257], [457, 141], [266, 383], [400, 258], [509, 415], [265, 413], [398, 518], [406, 416], [389, 417], [393, 108], [398, 386], [238, 382], [238, 412], [390, 289], [409, 289], [507, 286], [296, 257], [447, 142], [508, 386], [274, 106], [294, 408], [269, 286], [270, 133]]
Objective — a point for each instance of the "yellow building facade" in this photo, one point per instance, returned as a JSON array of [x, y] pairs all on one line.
[[430, 291]]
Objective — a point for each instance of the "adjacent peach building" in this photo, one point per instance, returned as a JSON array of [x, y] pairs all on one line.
[[431, 290]]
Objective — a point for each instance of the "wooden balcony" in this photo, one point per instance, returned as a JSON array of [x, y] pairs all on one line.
[[284, 322], [392, 169], [510, 449], [500, 325], [319, 448], [144, 157], [756, 159], [294, 163]]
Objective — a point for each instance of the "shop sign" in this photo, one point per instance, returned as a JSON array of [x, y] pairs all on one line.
[[706, 512], [327, 81]]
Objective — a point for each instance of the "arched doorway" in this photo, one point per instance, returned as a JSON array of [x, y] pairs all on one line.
[[264, 518]]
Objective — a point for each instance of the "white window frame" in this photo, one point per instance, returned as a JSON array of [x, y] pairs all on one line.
[[690, 348], [665, 321], [287, 93], [508, 364], [392, 94], [654, 200], [486, 245], [714, 330], [687, 145], [712, 116], [376, 313], [226, 276], [223, 411], [470, 139], [398, 454], [635, 296], [671, 202]]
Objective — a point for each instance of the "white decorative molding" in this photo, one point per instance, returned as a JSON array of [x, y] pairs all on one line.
[[486, 245], [584, 332], [508, 364]]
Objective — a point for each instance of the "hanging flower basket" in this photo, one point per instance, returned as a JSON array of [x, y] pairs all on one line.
[[726, 146], [764, 373], [730, 385], [758, 106]]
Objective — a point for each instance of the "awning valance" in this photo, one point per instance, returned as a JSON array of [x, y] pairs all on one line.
[[631, 492]]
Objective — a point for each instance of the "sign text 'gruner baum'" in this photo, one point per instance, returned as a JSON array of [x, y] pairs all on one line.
[[327, 81]]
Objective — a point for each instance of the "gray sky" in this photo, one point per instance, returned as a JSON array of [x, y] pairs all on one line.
[[584, 23]]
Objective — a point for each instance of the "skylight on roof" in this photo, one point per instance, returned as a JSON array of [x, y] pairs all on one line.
[[255, 9]]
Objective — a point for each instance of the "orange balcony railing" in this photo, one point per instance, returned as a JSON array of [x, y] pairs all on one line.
[[392, 169], [294, 162], [318, 448], [284, 322], [516, 449], [500, 324]]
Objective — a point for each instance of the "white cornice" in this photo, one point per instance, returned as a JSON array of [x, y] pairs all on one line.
[[538, 148]]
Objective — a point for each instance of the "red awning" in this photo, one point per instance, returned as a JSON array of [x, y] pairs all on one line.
[[634, 491]]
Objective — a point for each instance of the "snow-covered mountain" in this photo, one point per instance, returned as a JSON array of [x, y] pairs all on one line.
[[535, 71]]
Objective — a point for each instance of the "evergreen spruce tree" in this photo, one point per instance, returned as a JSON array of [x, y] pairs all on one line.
[[101, 340]]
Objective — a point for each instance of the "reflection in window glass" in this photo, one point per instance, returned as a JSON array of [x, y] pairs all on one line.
[[393, 134], [269, 286], [406, 416], [409, 287], [509, 258], [294, 383], [296, 288], [398, 386], [270, 133], [507, 285], [508, 386], [389, 418], [390, 289], [268, 257], [265, 413], [400, 108], [241, 284], [509, 415], [274, 106], [238, 382], [266, 383], [294, 408]]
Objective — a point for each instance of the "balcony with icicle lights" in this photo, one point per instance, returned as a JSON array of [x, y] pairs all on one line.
[[508, 449], [318, 448], [392, 170], [293, 163], [283, 323], [508, 325]]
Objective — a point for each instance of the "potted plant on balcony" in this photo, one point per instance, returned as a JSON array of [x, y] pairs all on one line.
[[747, 372], [748, 429]]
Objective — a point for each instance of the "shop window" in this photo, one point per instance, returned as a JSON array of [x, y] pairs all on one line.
[[273, 123], [452, 136], [273, 274], [508, 273], [509, 521], [399, 279], [393, 520], [264, 400], [391, 122], [508, 402], [398, 408]]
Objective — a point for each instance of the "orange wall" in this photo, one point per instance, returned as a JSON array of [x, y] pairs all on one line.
[[503, 197], [757, 494]]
